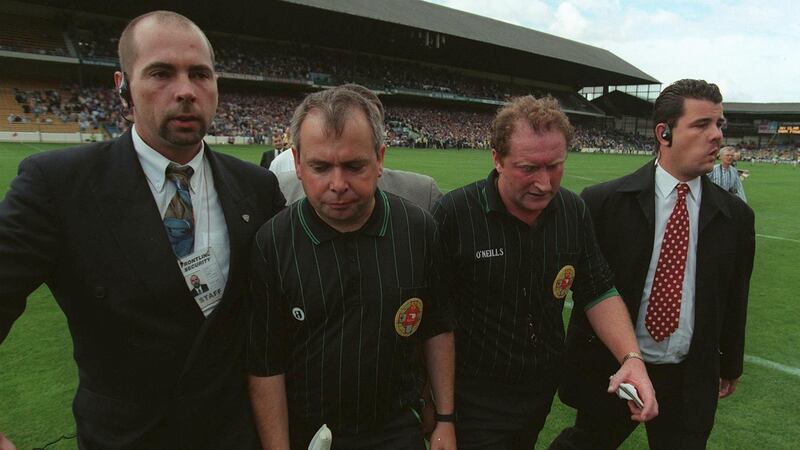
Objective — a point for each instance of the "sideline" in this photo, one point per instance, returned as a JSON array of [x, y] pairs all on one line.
[[778, 238], [772, 365], [27, 144], [580, 177], [747, 358]]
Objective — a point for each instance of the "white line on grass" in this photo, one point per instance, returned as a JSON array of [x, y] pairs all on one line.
[[580, 177], [38, 149], [778, 238], [772, 365], [748, 358]]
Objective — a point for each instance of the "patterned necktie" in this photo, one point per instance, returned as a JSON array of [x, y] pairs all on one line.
[[179, 218], [664, 309]]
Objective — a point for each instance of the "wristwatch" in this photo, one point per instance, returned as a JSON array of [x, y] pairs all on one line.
[[449, 418], [634, 355]]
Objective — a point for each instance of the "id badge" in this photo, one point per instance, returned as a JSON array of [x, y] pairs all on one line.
[[203, 278]]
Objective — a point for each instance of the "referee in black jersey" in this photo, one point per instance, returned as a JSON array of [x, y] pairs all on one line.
[[515, 244], [346, 289]]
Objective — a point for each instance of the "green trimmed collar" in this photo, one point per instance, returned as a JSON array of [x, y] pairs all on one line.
[[318, 231]]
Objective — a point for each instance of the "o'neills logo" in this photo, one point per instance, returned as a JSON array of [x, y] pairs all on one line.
[[489, 253]]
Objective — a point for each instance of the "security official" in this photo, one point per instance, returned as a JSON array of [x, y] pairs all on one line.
[[116, 230], [345, 289], [514, 245], [682, 249]]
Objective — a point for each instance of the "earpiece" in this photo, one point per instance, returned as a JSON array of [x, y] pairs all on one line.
[[125, 91], [666, 134]]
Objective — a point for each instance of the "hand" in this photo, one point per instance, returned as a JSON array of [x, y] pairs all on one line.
[[635, 373], [428, 412], [5, 444], [727, 387], [443, 436]]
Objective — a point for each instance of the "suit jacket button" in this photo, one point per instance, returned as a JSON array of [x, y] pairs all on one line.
[[99, 292]]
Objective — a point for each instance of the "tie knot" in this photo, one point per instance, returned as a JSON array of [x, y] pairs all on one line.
[[683, 189], [178, 173]]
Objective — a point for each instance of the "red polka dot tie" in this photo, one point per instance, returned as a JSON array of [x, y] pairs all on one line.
[[664, 308]]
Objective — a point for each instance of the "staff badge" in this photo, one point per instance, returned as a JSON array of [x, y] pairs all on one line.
[[408, 317], [563, 281]]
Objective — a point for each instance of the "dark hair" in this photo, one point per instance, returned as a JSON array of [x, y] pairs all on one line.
[[336, 105], [127, 50], [542, 114], [668, 107]]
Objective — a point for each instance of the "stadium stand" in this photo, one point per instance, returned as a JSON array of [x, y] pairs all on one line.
[[31, 35], [441, 73]]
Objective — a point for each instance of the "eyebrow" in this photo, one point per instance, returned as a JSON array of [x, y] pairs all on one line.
[[342, 163], [168, 66]]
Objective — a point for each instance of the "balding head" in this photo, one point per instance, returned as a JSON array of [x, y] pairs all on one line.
[[127, 40]]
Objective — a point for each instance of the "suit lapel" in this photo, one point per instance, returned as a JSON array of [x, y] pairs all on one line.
[[238, 214], [641, 184], [235, 208], [710, 205], [713, 209], [126, 204]]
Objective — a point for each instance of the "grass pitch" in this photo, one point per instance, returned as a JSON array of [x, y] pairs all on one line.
[[38, 375]]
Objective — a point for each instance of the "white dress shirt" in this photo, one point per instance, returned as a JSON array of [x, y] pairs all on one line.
[[211, 230], [674, 348], [284, 162]]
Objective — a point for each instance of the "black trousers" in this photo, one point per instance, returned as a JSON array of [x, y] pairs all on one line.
[[667, 431], [401, 432], [493, 416]]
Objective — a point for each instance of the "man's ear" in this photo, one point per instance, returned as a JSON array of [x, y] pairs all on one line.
[[498, 161], [381, 154]]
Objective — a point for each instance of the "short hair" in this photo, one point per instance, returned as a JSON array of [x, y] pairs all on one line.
[[668, 107], [335, 105], [542, 114], [727, 149], [367, 94], [126, 48]]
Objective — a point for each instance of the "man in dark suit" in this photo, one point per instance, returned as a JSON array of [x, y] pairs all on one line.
[[682, 251], [115, 228], [197, 287]]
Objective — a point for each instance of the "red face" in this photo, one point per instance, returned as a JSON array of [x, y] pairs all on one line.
[[339, 175], [173, 87], [696, 139], [531, 171]]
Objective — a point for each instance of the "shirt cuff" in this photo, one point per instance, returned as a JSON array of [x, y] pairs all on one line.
[[606, 295]]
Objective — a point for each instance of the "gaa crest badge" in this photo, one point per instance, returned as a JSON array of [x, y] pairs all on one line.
[[563, 282], [408, 317]]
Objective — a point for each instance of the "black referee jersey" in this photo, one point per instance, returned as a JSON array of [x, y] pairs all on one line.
[[342, 314], [510, 280]]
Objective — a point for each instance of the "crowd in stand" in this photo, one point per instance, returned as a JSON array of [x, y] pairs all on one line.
[[256, 116], [89, 107], [773, 155], [97, 41], [610, 139], [437, 128], [253, 116]]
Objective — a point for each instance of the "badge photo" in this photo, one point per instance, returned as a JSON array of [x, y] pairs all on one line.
[[408, 317], [563, 282]]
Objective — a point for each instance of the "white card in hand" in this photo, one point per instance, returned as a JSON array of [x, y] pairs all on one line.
[[322, 439], [626, 391]]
